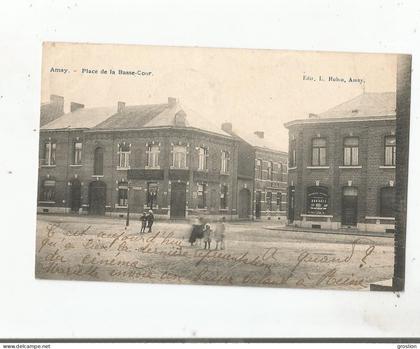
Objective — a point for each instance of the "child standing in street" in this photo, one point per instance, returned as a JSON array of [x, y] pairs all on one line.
[[219, 234], [143, 219], [207, 237]]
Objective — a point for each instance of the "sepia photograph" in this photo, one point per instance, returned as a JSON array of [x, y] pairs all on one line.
[[234, 167]]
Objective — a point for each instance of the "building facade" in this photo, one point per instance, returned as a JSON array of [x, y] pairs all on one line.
[[164, 157], [342, 166], [262, 174]]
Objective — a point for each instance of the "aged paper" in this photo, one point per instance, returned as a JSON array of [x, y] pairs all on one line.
[[222, 166]]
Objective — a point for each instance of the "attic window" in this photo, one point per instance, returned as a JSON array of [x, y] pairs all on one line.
[[354, 111], [180, 118]]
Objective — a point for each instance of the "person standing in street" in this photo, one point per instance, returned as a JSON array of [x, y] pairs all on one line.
[[219, 234], [143, 219], [150, 220]]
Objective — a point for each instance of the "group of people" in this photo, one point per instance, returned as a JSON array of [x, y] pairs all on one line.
[[147, 219], [204, 232]]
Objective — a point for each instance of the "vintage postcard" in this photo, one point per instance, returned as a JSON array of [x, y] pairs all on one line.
[[223, 166]]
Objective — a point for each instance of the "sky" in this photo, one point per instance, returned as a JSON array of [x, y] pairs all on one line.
[[256, 90]]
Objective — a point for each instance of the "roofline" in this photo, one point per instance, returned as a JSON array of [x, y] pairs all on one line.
[[335, 120], [92, 130], [282, 152]]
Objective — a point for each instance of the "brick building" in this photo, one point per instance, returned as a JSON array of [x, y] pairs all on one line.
[[164, 157], [342, 166], [262, 174]]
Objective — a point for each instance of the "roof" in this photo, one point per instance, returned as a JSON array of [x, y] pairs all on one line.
[[135, 117], [81, 118], [366, 104], [256, 141], [365, 107]]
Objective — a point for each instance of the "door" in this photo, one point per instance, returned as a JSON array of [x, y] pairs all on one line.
[[349, 210], [291, 205], [258, 204], [97, 198], [244, 204], [178, 200], [75, 192]]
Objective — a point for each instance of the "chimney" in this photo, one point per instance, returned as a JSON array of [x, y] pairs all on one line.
[[120, 107], [172, 102], [227, 127], [260, 134], [58, 102], [313, 116], [75, 106]]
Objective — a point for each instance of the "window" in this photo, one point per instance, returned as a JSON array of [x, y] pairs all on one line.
[[225, 162], [351, 151], [280, 173], [390, 150], [279, 197], [387, 202], [319, 152], [122, 193], [292, 153], [258, 169], [223, 196], [179, 156], [49, 153], [152, 155], [124, 155], [48, 190], [77, 153], [201, 195], [203, 154], [270, 171], [98, 162], [268, 198], [152, 193]]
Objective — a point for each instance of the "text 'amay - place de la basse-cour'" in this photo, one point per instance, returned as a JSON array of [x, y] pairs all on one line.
[[339, 172]]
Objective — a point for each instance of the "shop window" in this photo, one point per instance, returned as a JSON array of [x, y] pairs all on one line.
[[124, 155], [319, 152], [351, 151], [317, 200], [223, 196], [179, 156], [48, 190], [152, 193], [390, 150], [49, 153], [225, 162], [98, 162], [122, 193], [152, 155], [203, 154], [201, 195], [77, 153], [387, 202]]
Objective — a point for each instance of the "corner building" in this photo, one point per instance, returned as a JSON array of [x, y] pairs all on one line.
[[341, 171]]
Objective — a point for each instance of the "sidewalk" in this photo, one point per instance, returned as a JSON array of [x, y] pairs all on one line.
[[343, 231]]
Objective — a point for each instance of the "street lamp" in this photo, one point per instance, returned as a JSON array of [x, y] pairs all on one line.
[[127, 221]]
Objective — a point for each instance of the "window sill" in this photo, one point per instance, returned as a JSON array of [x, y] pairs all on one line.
[[76, 165], [48, 166], [123, 168], [387, 166], [97, 176], [121, 206], [202, 170], [46, 202], [178, 168], [380, 218], [224, 173], [317, 215], [292, 168], [318, 167], [152, 167], [344, 167]]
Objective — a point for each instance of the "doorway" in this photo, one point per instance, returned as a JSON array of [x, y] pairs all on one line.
[[349, 210], [75, 193], [178, 200], [244, 203], [258, 204], [291, 204], [97, 198]]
